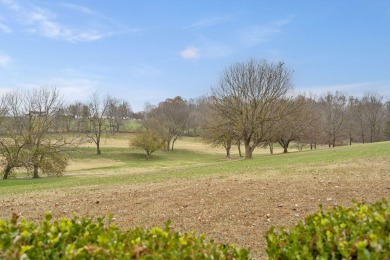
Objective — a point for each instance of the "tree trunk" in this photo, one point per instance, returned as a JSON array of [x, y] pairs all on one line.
[[248, 149], [167, 145], [311, 145], [35, 176], [173, 142], [334, 140], [284, 144], [271, 148], [7, 171], [371, 135], [227, 152], [239, 148], [98, 152]]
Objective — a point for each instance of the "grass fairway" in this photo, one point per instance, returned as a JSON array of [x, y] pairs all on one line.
[[199, 190]]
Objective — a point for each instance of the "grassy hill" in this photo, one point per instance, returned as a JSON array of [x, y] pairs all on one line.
[[231, 201]]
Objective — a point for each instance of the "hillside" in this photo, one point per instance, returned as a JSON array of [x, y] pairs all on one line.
[[231, 201]]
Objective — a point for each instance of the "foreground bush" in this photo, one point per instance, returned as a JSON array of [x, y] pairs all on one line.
[[82, 238], [359, 232]]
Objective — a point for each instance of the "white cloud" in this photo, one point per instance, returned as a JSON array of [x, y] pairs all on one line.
[[256, 35], [44, 22], [11, 4], [190, 53], [5, 28], [4, 60], [45, 25]]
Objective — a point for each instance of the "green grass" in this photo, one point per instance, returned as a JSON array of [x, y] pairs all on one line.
[[184, 164], [136, 158], [131, 125]]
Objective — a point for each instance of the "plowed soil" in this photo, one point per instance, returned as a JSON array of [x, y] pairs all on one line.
[[236, 210]]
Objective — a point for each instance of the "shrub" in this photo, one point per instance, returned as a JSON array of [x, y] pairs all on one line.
[[359, 232], [147, 140], [83, 238]]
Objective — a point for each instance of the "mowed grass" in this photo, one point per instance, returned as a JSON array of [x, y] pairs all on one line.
[[187, 164]]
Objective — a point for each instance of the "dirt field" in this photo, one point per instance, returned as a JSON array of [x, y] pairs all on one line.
[[235, 210]]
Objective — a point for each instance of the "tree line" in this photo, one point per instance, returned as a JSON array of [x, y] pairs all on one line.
[[38, 128], [253, 105]]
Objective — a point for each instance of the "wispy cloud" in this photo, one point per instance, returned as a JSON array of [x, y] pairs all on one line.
[[4, 60], [79, 8], [190, 52], [258, 34], [4, 28], [208, 22], [102, 19], [44, 22], [11, 4]]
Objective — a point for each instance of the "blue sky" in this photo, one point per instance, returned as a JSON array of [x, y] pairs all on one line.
[[147, 51]]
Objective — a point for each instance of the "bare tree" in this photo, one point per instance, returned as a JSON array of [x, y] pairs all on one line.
[[43, 104], [361, 121], [12, 141], [77, 120], [334, 111], [247, 95], [117, 112], [217, 131], [313, 133], [97, 120], [351, 124], [199, 112], [29, 125], [387, 121], [168, 119], [193, 122], [294, 122], [374, 112]]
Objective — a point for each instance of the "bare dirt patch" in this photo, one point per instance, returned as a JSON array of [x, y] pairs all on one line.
[[235, 210]]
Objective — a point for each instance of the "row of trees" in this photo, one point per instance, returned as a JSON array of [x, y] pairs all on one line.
[[38, 129], [253, 105]]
